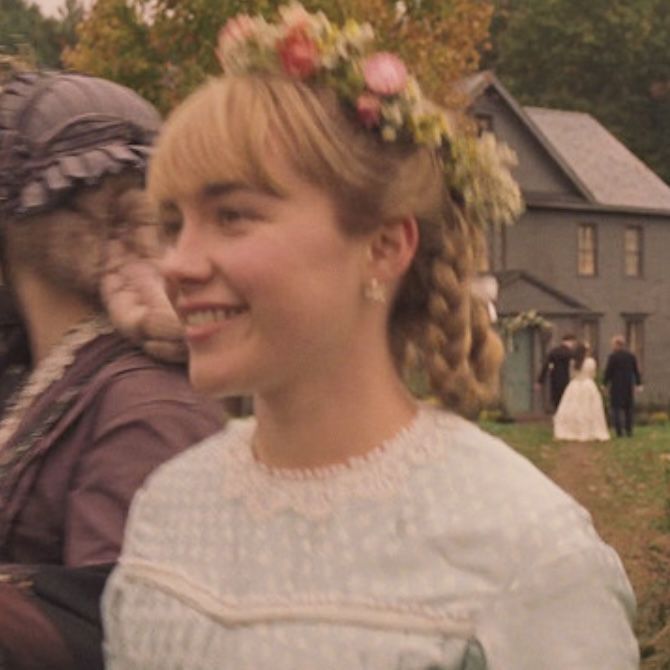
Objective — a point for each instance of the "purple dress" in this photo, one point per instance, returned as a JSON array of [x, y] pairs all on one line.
[[68, 474]]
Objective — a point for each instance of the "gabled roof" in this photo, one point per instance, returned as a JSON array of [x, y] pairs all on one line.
[[603, 169], [475, 85], [613, 173], [520, 291]]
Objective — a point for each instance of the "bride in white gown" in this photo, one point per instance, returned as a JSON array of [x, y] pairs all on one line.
[[580, 416]]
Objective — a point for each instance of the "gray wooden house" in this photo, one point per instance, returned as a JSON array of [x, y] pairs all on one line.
[[592, 251]]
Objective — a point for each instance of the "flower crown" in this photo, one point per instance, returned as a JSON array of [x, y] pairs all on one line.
[[384, 96]]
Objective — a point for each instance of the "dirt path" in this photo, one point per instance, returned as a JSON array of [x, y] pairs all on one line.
[[645, 551]]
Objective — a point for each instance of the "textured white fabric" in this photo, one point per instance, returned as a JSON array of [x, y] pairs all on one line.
[[443, 548], [580, 415]]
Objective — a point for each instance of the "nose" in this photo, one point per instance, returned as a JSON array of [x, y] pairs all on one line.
[[187, 259]]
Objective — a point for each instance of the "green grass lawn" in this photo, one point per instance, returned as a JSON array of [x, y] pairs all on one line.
[[533, 440], [638, 468]]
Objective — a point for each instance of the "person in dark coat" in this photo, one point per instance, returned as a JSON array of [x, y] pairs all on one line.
[[95, 393], [557, 368], [622, 376]]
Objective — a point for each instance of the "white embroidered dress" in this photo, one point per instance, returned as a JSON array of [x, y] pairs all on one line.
[[441, 549]]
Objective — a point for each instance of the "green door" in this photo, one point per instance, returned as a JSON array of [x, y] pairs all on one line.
[[517, 380]]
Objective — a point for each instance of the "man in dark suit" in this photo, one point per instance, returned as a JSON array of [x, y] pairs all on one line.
[[557, 368], [622, 375]]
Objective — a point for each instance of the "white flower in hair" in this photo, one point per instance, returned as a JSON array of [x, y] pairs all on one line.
[[400, 10], [389, 134], [295, 14]]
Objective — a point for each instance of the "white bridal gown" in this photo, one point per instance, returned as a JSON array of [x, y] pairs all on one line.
[[580, 416]]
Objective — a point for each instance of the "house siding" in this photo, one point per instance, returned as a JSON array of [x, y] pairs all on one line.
[[537, 172], [544, 243]]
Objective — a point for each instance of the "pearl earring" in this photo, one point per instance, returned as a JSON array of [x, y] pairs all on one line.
[[375, 291]]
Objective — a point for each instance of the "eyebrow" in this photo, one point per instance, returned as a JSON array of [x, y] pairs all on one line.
[[229, 187], [218, 189], [213, 190], [225, 188]]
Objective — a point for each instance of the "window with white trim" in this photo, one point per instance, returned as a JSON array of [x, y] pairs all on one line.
[[632, 249], [587, 250]]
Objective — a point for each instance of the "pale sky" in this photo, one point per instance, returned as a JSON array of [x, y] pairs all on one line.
[[48, 7], [51, 7]]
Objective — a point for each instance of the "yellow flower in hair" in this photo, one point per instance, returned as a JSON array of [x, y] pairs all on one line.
[[389, 134], [393, 114]]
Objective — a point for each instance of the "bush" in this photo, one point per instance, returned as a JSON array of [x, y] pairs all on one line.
[[497, 415], [659, 418], [642, 418]]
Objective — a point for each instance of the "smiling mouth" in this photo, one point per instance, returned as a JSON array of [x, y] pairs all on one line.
[[205, 317]]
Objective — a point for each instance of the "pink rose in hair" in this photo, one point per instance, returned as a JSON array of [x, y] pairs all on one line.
[[236, 30], [369, 107], [298, 53], [384, 73]]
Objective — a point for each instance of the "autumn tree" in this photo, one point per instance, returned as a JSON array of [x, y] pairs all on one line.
[[113, 42], [164, 48], [605, 57], [70, 15], [23, 29]]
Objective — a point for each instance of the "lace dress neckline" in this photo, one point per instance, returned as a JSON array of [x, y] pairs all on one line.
[[316, 492], [328, 471]]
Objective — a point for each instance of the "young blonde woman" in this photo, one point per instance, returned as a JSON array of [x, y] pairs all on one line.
[[319, 218]]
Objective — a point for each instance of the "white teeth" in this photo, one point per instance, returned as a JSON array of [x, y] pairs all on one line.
[[206, 316]]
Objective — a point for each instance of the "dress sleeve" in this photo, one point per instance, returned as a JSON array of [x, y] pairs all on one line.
[[120, 598], [50, 617], [573, 611], [636, 372], [138, 427]]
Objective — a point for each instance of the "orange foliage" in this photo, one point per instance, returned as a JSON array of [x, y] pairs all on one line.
[[164, 48]]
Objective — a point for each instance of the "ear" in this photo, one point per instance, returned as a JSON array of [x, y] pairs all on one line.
[[392, 249]]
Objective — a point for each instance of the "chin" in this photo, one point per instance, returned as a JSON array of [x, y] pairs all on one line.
[[213, 382]]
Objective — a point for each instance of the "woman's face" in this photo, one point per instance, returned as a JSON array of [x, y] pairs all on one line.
[[269, 288]]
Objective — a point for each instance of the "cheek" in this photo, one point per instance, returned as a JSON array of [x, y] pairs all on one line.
[[297, 276]]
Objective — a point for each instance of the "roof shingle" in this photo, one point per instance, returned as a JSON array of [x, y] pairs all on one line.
[[613, 174]]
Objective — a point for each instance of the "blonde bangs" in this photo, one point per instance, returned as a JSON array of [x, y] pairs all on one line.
[[217, 135], [229, 129]]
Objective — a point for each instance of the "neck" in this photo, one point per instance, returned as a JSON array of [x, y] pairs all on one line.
[[332, 419], [49, 312]]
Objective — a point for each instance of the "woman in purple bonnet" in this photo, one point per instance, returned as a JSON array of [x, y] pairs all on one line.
[[322, 220], [103, 399]]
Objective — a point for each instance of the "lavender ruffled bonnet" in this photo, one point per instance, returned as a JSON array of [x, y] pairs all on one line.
[[60, 131]]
